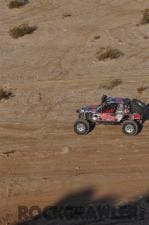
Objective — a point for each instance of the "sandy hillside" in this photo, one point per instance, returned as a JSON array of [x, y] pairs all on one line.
[[53, 71]]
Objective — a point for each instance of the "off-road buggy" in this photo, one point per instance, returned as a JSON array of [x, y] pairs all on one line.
[[115, 111]]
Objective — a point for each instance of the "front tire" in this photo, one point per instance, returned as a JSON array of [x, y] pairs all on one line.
[[82, 127], [130, 128], [92, 126]]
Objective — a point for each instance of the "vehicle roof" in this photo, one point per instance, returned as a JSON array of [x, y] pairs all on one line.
[[117, 100]]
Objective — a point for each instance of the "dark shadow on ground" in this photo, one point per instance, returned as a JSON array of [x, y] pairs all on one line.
[[81, 208]]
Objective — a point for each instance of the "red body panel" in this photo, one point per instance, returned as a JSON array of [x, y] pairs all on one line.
[[107, 117], [136, 116]]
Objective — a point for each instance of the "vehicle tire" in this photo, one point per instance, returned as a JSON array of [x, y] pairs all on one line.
[[130, 127], [82, 127], [138, 106], [140, 125], [92, 126]]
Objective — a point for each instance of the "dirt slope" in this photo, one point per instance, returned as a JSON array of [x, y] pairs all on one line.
[[51, 73]]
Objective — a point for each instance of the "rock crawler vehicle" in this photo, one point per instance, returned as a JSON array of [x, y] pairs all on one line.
[[130, 114]]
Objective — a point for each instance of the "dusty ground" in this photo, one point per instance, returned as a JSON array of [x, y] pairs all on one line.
[[51, 73]]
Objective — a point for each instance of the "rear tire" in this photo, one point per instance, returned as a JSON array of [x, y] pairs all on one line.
[[82, 127], [130, 128]]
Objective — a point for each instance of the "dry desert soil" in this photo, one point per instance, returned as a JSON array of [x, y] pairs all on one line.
[[51, 73]]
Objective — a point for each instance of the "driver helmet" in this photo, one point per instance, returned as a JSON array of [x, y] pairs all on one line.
[[104, 98]]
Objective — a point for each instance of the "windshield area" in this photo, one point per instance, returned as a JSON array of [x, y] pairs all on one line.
[[107, 108]]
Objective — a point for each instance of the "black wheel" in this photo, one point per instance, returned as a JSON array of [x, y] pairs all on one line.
[[138, 106], [130, 127], [140, 125], [92, 126], [82, 127]]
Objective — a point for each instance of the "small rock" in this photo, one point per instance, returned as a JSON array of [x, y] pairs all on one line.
[[66, 15], [77, 171], [66, 150], [77, 168], [8, 153], [96, 37]]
